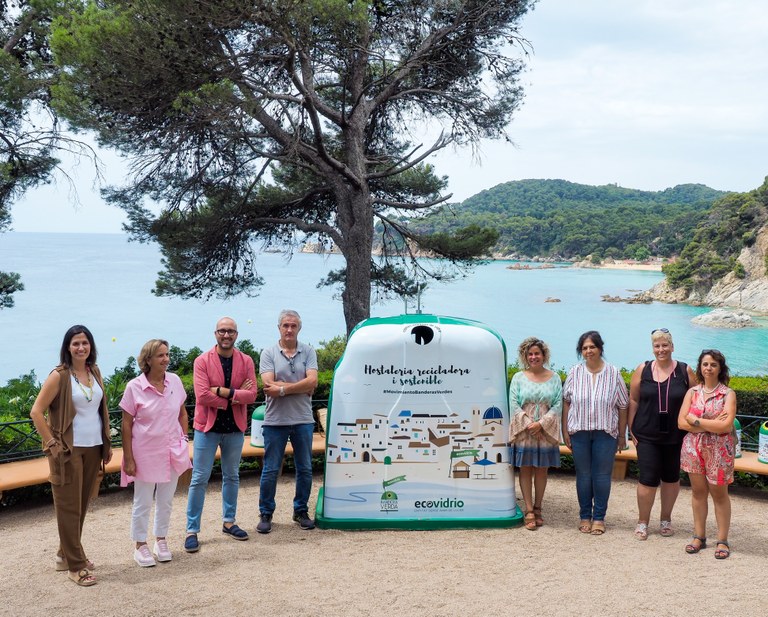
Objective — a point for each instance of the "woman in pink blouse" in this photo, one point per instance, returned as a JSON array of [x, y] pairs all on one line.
[[595, 405], [709, 448], [155, 451]]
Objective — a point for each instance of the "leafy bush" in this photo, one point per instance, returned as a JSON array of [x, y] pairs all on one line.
[[18, 395], [249, 350], [329, 353], [182, 362]]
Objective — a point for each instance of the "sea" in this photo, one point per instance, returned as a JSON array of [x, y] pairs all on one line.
[[105, 282]]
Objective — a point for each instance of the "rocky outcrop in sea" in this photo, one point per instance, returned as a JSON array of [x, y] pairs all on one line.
[[722, 318]]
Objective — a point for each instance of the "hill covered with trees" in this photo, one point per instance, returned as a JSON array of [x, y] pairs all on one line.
[[556, 218], [732, 224]]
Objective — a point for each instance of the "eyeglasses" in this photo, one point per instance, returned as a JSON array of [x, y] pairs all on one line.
[[291, 361], [664, 330], [226, 331]]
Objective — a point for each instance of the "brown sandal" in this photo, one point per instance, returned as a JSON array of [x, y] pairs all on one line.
[[585, 526], [537, 514], [598, 528], [529, 521], [83, 578]]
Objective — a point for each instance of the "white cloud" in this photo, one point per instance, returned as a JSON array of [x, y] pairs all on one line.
[[646, 93]]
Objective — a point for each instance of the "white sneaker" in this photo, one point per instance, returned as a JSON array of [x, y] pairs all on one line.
[[143, 557], [161, 550]]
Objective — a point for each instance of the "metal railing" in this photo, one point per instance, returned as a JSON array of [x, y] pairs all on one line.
[[19, 440], [750, 431]]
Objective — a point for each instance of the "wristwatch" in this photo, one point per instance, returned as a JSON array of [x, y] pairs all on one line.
[[697, 422], [282, 390]]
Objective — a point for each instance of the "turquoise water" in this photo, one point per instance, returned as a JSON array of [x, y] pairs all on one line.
[[104, 281]]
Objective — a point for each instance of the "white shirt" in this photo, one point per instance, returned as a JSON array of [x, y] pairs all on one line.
[[87, 423]]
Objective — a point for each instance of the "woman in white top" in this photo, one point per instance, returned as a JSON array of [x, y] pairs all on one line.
[[595, 405], [71, 416]]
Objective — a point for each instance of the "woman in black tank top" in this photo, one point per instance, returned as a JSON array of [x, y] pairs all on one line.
[[656, 393]]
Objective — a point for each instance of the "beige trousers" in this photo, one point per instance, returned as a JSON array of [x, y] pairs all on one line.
[[70, 502]]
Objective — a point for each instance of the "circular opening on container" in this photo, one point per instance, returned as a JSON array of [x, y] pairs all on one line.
[[423, 335]]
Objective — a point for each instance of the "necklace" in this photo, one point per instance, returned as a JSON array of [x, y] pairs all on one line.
[[654, 366], [705, 391], [86, 390]]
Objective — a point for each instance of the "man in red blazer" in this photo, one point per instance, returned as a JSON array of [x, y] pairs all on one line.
[[225, 384]]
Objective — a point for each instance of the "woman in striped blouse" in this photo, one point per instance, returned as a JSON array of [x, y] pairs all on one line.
[[595, 405]]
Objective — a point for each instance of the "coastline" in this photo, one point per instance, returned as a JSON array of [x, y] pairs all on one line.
[[622, 265]]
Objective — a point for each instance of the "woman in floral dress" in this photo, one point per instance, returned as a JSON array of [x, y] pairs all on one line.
[[535, 402], [709, 448]]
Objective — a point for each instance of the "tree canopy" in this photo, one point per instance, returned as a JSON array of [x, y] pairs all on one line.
[[284, 121], [30, 132], [26, 152]]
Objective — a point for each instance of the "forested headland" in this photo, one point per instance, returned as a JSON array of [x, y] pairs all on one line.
[[561, 219], [734, 223]]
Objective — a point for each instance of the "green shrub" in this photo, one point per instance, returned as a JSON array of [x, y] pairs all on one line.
[[249, 350], [751, 395], [329, 353], [18, 395], [323, 390], [182, 362]]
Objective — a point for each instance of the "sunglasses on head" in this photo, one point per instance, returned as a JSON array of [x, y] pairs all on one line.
[[709, 352], [664, 330]]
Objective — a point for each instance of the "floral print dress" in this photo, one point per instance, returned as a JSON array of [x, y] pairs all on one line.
[[710, 454]]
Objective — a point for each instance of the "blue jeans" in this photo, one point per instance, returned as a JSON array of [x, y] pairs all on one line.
[[275, 440], [205, 445], [593, 455]]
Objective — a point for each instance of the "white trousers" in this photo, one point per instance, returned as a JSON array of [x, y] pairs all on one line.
[[143, 492]]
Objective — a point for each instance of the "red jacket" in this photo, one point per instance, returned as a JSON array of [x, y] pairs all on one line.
[[208, 373]]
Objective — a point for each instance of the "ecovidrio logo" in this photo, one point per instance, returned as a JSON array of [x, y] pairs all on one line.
[[445, 503]]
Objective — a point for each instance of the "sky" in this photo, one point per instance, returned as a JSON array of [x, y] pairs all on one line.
[[646, 94]]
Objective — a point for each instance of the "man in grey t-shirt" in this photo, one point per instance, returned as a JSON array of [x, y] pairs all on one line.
[[289, 373]]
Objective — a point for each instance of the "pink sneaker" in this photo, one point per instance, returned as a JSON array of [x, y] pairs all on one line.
[[161, 550], [143, 557]]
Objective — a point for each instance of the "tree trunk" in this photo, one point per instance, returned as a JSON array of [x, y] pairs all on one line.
[[355, 222]]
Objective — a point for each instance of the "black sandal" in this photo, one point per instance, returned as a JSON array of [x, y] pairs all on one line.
[[692, 549], [723, 553]]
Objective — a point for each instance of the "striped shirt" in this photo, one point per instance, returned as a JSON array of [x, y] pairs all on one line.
[[595, 403]]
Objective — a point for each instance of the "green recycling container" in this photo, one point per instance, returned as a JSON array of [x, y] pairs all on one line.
[[257, 423], [762, 448]]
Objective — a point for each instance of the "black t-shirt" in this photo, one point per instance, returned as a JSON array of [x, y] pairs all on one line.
[[225, 419], [649, 424]]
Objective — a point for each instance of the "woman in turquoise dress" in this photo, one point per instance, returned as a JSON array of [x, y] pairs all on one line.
[[535, 405]]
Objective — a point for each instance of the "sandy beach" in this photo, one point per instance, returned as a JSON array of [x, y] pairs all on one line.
[[623, 265], [554, 570]]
